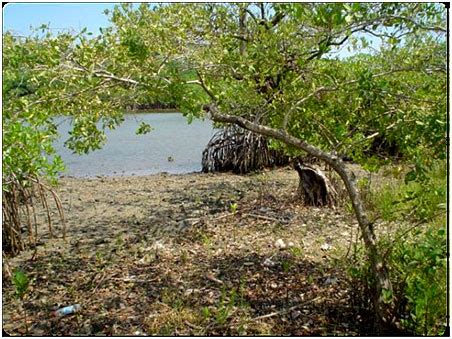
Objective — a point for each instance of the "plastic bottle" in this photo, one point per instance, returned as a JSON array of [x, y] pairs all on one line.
[[67, 310]]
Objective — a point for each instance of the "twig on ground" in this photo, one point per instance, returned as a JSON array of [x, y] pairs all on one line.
[[269, 315], [6, 267], [349, 244], [101, 280], [264, 217], [224, 216], [212, 278], [189, 324], [131, 280]]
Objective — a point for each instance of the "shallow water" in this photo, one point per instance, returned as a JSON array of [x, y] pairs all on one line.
[[126, 153]]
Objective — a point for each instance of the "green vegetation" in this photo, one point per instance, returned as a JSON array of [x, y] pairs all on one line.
[[415, 200], [21, 283], [415, 247], [272, 69], [419, 264], [418, 256], [233, 207]]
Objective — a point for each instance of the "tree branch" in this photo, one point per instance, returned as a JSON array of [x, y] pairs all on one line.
[[203, 85], [261, 7], [106, 75], [99, 73], [378, 269], [252, 15], [68, 96]]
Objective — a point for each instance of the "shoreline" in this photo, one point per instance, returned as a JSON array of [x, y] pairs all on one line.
[[155, 110], [128, 176]]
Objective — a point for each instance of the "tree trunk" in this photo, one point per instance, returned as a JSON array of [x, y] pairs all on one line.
[[242, 27], [314, 187], [381, 282]]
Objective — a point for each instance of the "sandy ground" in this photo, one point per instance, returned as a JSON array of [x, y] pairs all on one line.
[[193, 254]]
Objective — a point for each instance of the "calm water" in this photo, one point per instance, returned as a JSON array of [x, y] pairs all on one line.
[[126, 153]]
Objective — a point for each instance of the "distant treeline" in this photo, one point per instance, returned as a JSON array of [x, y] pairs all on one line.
[[149, 106]]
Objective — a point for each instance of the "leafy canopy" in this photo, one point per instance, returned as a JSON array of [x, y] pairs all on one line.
[[276, 64]]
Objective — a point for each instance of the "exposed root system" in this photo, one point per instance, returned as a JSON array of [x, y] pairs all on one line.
[[240, 151], [19, 199]]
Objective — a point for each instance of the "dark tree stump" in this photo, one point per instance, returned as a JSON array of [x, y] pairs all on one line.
[[314, 187]]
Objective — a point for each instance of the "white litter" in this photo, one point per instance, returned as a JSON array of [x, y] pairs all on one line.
[[325, 247], [280, 244], [269, 263]]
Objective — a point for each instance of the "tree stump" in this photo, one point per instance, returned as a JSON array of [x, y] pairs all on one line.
[[314, 187]]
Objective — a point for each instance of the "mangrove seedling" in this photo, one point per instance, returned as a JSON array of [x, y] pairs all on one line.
[[21, 284]]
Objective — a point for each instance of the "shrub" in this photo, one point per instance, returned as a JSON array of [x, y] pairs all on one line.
[[415, 252], [419, 267]]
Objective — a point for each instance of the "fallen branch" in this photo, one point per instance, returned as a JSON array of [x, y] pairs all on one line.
[[129, 279], [269, 315], [224, 216], [264, 217], [189, 324], [212, 278]]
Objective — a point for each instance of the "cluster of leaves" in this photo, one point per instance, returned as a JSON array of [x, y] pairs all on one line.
[[417, 200], [43, 82], [418, 268], [27, 132], [47, 77]]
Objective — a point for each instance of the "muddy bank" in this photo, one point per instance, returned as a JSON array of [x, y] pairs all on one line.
[[193, 254]]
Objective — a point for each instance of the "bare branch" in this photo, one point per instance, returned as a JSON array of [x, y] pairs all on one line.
[[239, 37], [350, 133], [106, 75], [251, 14], [203, 85], [262, 9]]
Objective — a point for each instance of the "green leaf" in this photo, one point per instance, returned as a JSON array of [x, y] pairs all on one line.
[[442, 206], [20, 282], [393, 40], [410, 176], [144, 128], [348, 18], [387, 296]]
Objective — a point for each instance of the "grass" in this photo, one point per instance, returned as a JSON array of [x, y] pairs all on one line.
[[176, 314]]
